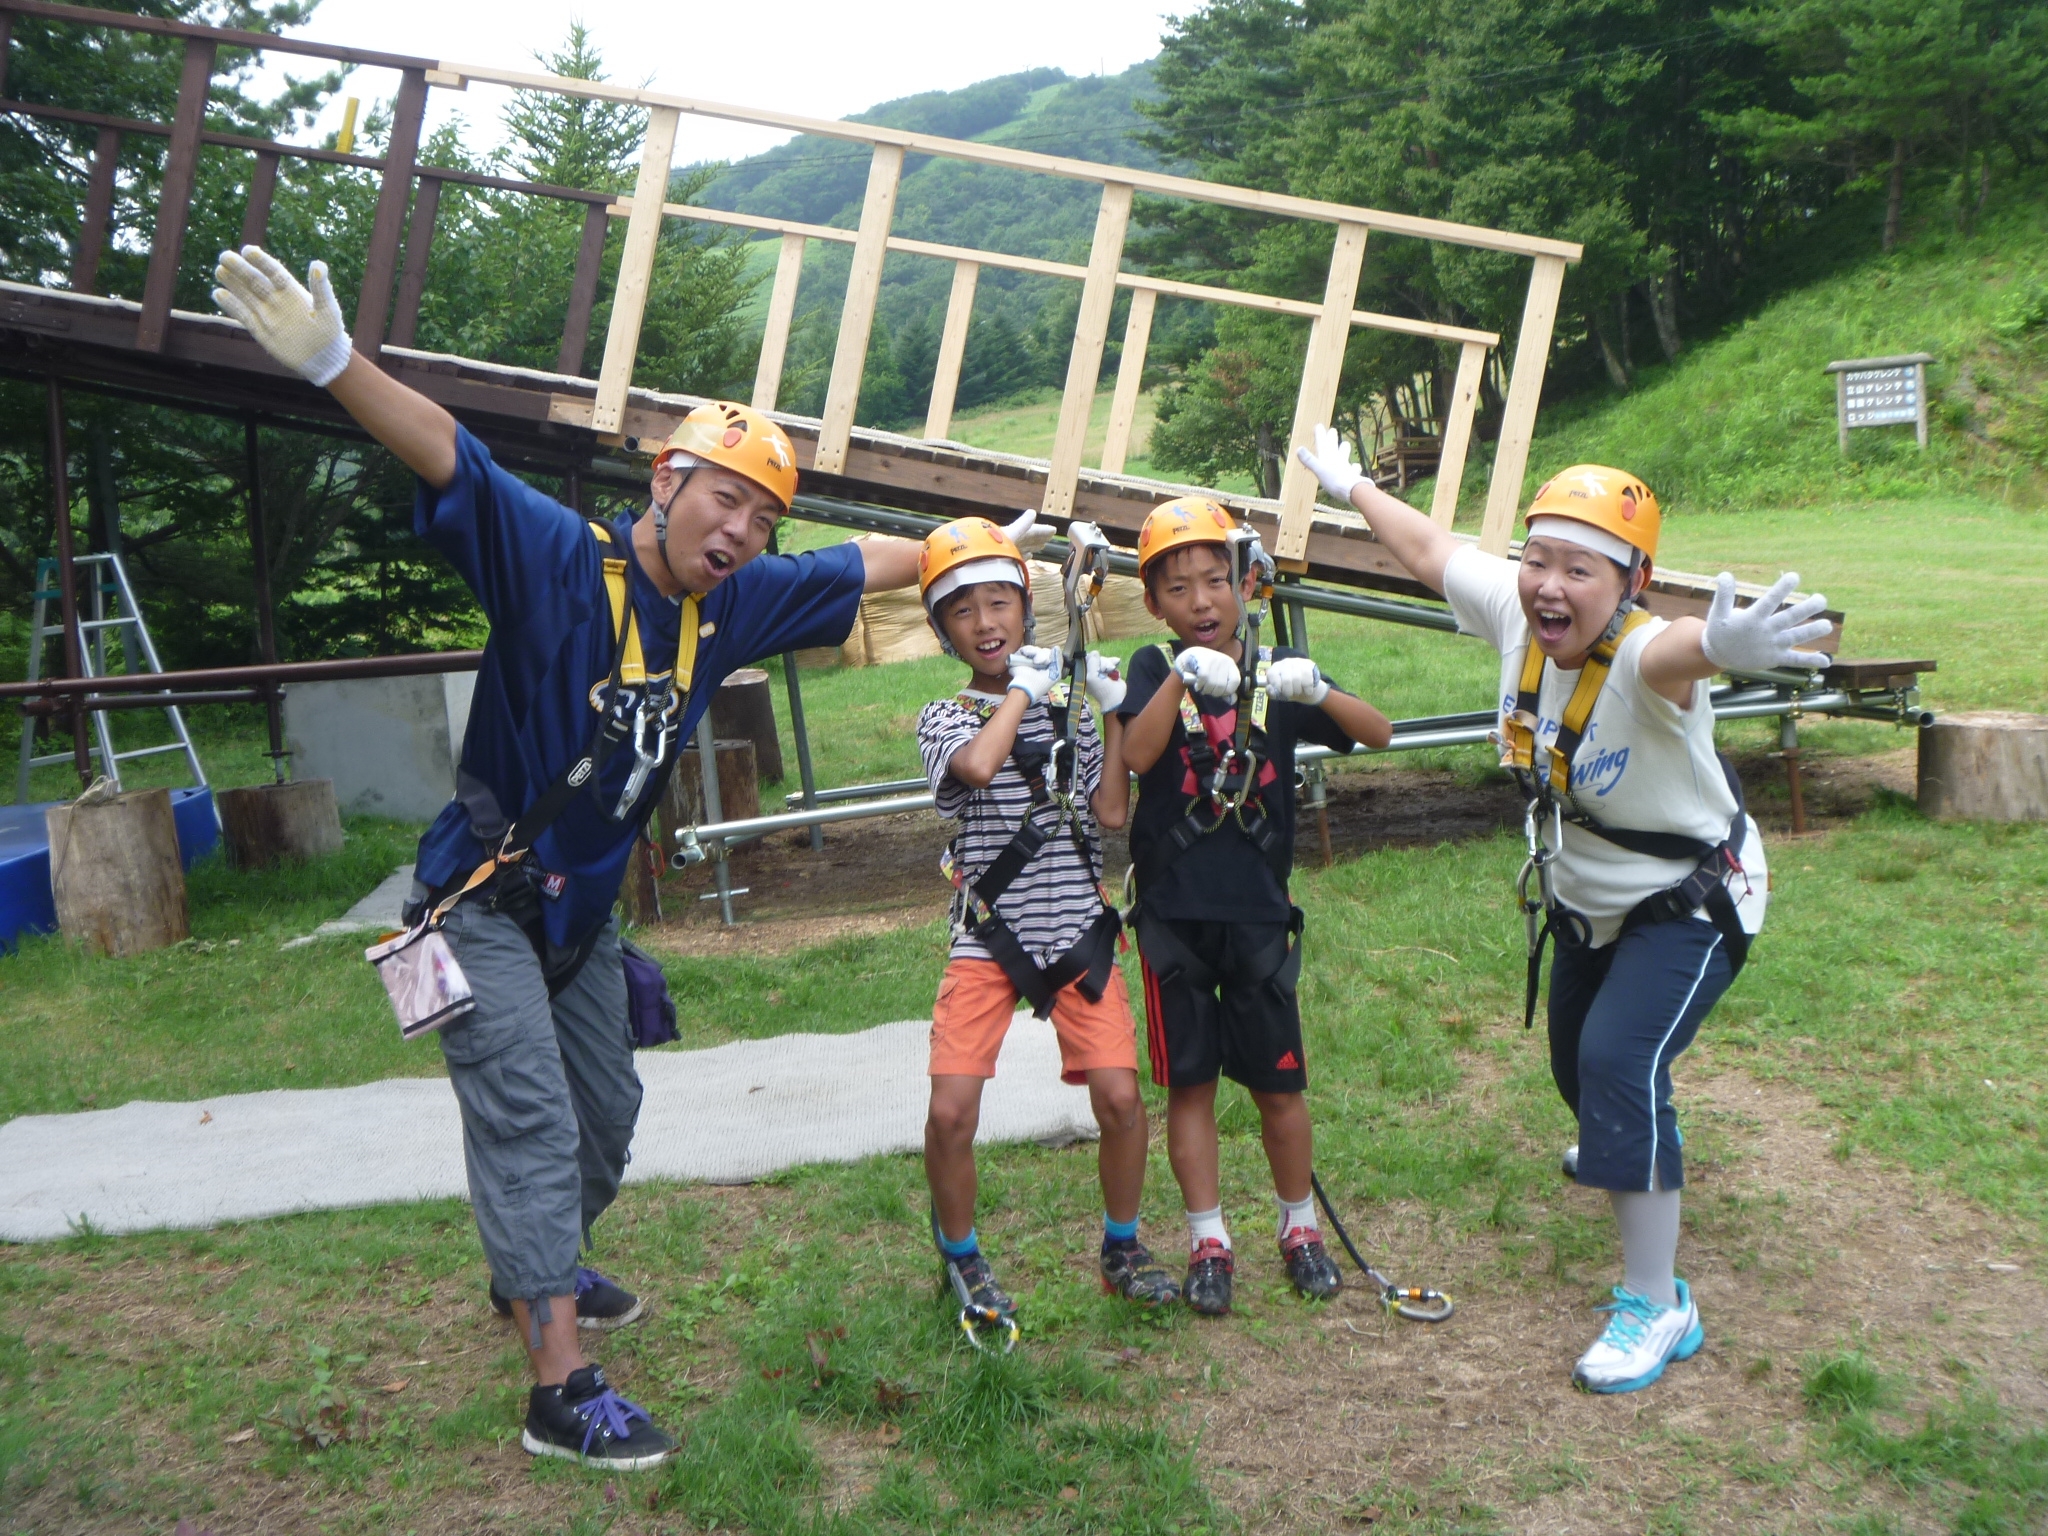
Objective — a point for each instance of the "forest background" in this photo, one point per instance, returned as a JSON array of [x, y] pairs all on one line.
[[1709, 158]]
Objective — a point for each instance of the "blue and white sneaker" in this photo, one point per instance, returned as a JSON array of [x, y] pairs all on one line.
[[1641, 1338]]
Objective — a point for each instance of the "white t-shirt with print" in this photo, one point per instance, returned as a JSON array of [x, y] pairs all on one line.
[[1643, 763]]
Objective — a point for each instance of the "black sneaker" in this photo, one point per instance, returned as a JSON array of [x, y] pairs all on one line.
[[1130, 1271], [980, 1281], [1309, 1264], [599, 1303], [586, 1422], [1210, 1268]]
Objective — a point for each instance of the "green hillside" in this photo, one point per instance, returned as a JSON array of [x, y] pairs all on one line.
[[1746, 418]]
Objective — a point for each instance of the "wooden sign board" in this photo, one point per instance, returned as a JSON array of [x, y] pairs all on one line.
[[1881, 392]]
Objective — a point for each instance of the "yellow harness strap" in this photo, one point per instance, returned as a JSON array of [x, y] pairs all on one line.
[[1518, 743], [626, 625]]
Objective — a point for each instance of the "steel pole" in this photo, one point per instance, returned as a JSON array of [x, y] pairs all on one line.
[[805, 775], [266, 616], [707, 766]]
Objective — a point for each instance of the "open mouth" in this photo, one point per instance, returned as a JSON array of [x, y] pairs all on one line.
[[1551, 628], [718, 562], [1207, 630], [991, 650]]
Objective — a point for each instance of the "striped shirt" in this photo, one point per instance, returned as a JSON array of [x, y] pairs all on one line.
[[1053, 900]]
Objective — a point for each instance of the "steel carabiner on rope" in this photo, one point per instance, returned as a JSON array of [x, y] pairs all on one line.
[[1417, 1303], [975, 1319]]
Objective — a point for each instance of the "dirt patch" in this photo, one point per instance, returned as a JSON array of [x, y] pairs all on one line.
[[1789, 1251]]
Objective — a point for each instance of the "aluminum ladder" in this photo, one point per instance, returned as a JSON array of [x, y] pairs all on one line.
[[101, 577]]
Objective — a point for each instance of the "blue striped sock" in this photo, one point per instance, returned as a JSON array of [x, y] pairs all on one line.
[[1118, 1231], [966, 1246]]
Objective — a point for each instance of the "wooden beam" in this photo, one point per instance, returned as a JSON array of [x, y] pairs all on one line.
[[857, 318], [381, 265], [1450, 469], [174, 198], [1525, 391], [636, 271], [1084, 362], [938, 417], [99, 205], [1247, 199], [583, 291], [789, 271], [6, 46], [262, 191], [1130, 370], [1320, 372], [419, 247]]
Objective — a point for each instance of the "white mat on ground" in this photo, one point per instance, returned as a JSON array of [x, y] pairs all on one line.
[[727, 1115]]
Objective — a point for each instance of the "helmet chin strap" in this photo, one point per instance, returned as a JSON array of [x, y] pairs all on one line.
[[661, 519], [1628, 601]]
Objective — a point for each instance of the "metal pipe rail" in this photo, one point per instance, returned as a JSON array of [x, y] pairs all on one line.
[[1741, 702], [837, 513], [209, 678]]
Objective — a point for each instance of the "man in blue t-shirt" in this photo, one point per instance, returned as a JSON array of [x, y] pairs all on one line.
[[543, 1066]]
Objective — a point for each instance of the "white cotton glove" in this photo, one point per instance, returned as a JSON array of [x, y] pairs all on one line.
[[1105, 681], [1296, 680], [1028, 534], [1331, 464], [301, 329], [1207, 671], [1033, 669], [1764, 635]]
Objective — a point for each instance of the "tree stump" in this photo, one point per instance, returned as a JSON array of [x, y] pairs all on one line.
[[743, 709], [639, 895], [1987, 765], [739, 788], [115, 873], [268, 824]]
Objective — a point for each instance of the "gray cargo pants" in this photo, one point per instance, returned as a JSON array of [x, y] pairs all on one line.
[[548, 1094]]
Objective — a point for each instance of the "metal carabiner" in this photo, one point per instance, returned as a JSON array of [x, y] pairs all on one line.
[[975, 1319]]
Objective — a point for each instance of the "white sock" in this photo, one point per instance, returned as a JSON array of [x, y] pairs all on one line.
[[1649, 1241], [1204, 1225], [1297, 1213]]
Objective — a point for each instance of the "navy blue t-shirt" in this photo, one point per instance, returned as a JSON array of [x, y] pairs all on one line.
[[537, 569]]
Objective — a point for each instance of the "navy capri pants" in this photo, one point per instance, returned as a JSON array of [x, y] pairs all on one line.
[[1619, 1016]]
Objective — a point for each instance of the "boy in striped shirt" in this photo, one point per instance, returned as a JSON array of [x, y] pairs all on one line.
[[1025, 783]]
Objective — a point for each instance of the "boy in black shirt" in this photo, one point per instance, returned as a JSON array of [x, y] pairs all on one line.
[[1212, 844]]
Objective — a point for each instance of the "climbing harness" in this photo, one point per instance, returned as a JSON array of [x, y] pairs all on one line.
[[1417, 1303], [1551, 798], [976, 1320]]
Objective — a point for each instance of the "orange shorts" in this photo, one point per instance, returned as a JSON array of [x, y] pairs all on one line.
[[976, 1002]]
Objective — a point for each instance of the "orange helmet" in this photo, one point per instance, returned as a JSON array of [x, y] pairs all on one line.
[[1612, 503], [1184, 520], [738, 438], [964, 553]]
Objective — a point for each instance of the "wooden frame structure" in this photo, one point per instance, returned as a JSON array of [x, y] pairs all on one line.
[[397, 231]]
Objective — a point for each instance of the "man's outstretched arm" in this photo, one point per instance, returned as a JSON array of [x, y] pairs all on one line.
[[302, 328]]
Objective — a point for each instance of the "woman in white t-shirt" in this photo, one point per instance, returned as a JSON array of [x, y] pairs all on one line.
[[1632, 802]]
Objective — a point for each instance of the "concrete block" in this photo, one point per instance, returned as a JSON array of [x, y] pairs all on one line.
[[390, 744]]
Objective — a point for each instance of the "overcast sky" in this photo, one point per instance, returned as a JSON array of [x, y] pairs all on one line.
[[824, 58]]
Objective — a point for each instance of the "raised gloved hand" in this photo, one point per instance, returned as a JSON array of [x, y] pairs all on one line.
[[1331, 464], [1296, 680], [301, 328], [1033, 669], [1764, 635], [1207, 671], [1105, 681], [1028, 534]]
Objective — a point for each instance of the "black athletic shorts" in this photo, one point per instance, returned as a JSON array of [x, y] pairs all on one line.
[[1220, 998]]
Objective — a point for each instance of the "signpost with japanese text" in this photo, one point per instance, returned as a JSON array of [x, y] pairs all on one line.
[[1881, 392]]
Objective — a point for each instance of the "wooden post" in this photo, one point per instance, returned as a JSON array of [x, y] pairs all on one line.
[[789, 271], [1130, 372], [174, 198], [636, 272], [1321, 371], [1920, 399], [262, 189], [1084, 363], [1842, 409], [6, 44], [266, 612], [263, 825], [419, 246], [1450, 469], [583, 291], [1525, 392], [1988, 765], [382, 265], [743, 709], [99, 204], [67, 574], [639, 891], [938, 417], [115, 873], [857, 319]]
